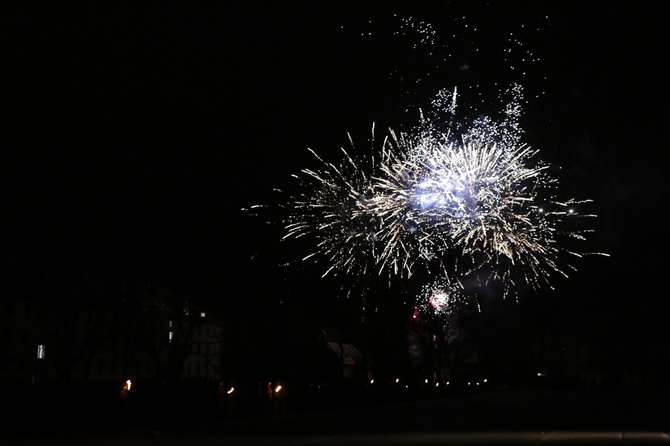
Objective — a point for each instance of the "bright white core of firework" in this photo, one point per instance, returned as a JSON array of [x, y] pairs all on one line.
[[439, 301]]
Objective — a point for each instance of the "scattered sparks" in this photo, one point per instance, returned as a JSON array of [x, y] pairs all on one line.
[[440, 299]]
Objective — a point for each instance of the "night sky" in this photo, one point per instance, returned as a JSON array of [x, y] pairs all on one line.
[[133, 134]]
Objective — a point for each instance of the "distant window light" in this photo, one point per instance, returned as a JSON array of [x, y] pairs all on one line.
[[40, 351], [170, 324], [202, 314], [170, 335]]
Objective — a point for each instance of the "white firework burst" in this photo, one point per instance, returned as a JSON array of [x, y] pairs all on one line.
[[441, 299], [480, 206]]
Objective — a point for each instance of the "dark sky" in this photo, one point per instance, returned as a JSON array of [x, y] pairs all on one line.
[[135, 133]]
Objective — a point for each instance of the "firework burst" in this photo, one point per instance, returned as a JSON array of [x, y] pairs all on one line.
[[480, 207], [481, 203], [456, 197], [440, 299], [335, 206]]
